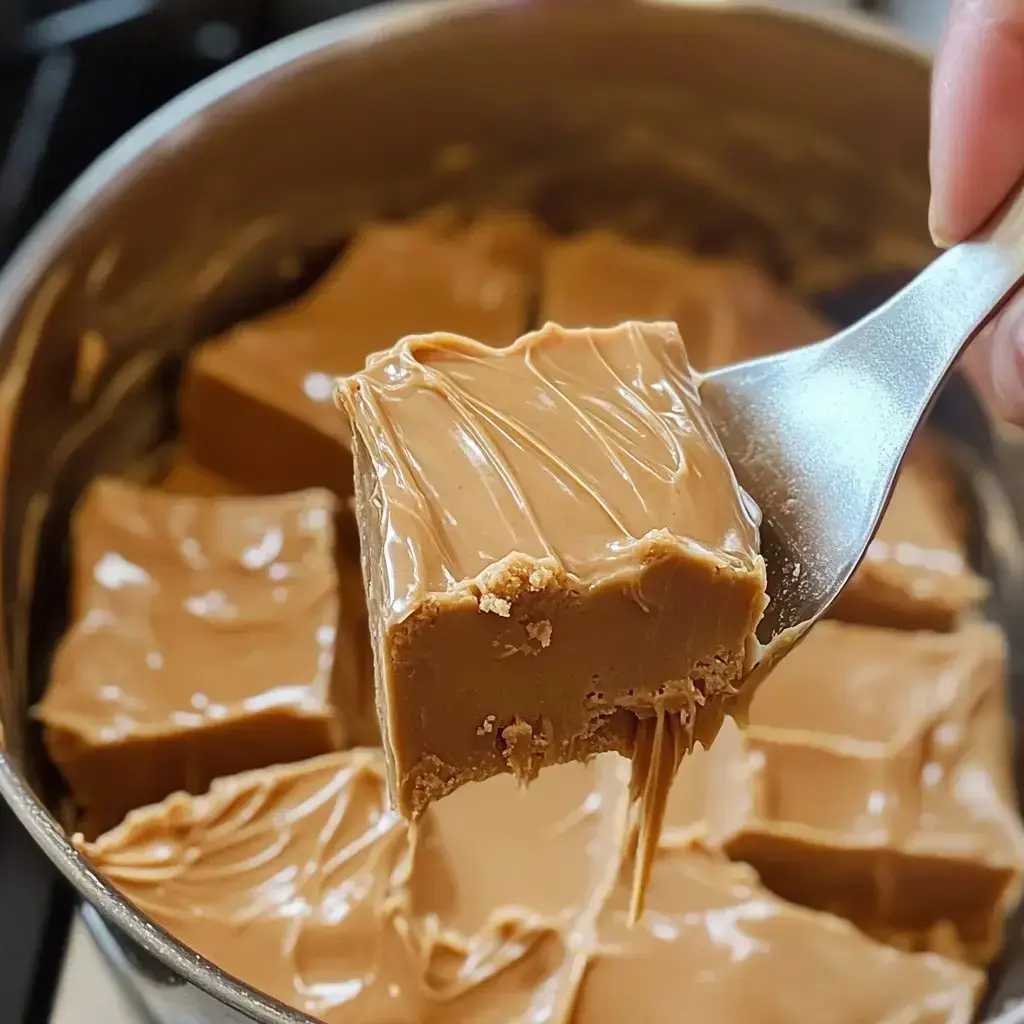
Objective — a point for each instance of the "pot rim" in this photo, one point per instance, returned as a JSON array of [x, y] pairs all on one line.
[[37, 254]]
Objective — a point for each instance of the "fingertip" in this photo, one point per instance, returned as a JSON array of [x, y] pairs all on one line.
[[976, 153]]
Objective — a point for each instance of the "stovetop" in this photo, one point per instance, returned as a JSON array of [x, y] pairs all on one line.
[[73, 78]]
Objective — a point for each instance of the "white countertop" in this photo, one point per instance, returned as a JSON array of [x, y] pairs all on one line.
[[88, 993]]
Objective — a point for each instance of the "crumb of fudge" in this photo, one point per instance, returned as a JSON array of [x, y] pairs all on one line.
[[524, 746], [540, 632], [498, 605]]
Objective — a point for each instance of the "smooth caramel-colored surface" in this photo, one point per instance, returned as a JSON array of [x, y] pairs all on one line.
[[553, 544], [873, 781], [715, 946], [725, 311], [185, 476], [257, 404], [502, 906], [203, 642]]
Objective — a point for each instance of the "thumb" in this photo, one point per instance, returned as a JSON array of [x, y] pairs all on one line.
[[995, 362], [977, 140]]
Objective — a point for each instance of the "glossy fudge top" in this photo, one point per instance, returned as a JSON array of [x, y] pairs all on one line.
[[193, 610], [301, 880], [860, 737], [569, 445], [502, 905]]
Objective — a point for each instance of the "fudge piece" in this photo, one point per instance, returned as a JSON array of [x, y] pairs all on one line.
[[558, 558], [873, 781], [301, 881], [915, 574], [256, 404], [202, 642], [512, 238], [725, 311], [716, 946], [185, 476]]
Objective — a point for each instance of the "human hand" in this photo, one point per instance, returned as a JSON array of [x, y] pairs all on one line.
[[977, 156]]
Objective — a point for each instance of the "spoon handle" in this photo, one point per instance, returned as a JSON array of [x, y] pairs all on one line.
[[922, 330]]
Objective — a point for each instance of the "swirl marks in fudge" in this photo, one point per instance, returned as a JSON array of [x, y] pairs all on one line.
[[204, 641], [301, 880], [502, 906], [571, 446]]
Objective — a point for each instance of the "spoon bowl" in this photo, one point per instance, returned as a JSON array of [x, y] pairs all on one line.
[[817, 435]]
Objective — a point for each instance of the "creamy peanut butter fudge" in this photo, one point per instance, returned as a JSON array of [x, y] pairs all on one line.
[[873, 781], [714, 945], [915, 574], [725, 311], [203, 641], [557, 556], [302, 881], [500, 906], [186, 476], [257, 404]]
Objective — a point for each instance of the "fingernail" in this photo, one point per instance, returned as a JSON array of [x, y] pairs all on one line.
[[937, 230]]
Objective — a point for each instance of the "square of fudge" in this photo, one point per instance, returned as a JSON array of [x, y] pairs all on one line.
[[873, 781], [715, 942], [301, 881], [183, 475], [257, 406], [555, 550], [916, 574], [726, 311], [203, 641]]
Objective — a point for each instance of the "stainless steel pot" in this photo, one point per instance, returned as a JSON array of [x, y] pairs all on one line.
[[797, 140]]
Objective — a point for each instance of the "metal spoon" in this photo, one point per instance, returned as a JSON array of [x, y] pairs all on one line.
[[816, 436]]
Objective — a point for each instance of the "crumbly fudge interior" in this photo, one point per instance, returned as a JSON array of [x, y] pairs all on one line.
[[863, 827]]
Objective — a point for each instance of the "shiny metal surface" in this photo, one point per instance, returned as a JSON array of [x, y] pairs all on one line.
[[795, 140], [817, 435]]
